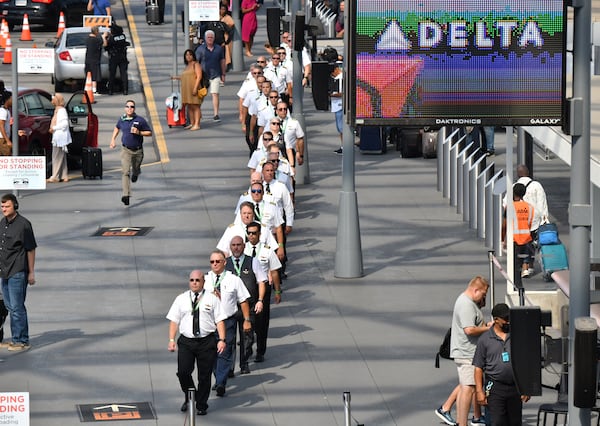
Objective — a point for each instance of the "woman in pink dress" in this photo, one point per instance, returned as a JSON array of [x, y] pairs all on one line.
[[249, 23]]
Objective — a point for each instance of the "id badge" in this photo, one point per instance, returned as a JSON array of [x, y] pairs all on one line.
[[505, 357]]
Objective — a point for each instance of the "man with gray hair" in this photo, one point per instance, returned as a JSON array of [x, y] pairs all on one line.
[[212, 59]]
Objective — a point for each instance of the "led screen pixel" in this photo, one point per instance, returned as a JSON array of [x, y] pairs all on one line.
[[438, 62]]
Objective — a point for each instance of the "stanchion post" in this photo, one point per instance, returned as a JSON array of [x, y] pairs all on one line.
[[192, 406], [492, 281], [347, 412]]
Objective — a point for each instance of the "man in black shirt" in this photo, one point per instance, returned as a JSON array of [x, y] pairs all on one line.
[[17, 260], [492, 357]]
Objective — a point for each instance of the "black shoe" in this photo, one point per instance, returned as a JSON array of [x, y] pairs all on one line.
[[231, 374], [184, 406], [214, 387], [201, 412], [259, 358], [220, 390], [283, 275], [339, 151], [125, 200], [245, 370], [134, 178]]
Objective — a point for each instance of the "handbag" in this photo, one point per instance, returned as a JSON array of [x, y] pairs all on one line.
[[202, 92]]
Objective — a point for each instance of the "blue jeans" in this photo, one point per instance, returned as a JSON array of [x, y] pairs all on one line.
[[225, 360], [488, 131], [14, 290]]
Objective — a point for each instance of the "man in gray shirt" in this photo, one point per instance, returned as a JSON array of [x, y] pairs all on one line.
[[467, 325]]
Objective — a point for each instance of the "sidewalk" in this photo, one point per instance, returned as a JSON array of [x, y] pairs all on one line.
[[97, 314]]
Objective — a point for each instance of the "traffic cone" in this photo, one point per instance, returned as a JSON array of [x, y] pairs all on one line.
[[3, 32], [88, 88], [8, 52], [25, 32], [61, 24]]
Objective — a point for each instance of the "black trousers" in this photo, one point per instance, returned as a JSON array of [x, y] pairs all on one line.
[[505, 405], [113, 64], [203, 352], [246, 338], [262, 323]]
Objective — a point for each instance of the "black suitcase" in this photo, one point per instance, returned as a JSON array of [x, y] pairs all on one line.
[[409, 142], [372, 140], [91, 162], [430, 144], [152, 12]]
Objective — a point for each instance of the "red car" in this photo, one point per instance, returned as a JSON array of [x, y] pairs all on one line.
[[35, 113]]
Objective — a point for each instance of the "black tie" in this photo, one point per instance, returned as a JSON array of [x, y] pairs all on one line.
[[257, 210], [253, 251], [237, 263], [217, 285], [196, 326], [268, 188]]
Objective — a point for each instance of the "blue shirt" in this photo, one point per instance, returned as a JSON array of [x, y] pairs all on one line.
[[100, 6], [128, 139], [210, 60]]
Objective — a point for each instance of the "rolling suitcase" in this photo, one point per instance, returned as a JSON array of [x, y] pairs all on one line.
[[429, 140], [152, 12], [409, 142], [371, 140], [173, 120], [553, 257], [91, 162]]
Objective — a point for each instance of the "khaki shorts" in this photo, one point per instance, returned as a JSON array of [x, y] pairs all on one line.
[[466, 371], [215, 85]]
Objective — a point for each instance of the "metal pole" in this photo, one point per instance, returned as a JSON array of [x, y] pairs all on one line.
[[15, 105], [492, 281], [237, 56], [192, 406], [174, 37], [186, 24], [348, 253], [579, 208], [347, 412]]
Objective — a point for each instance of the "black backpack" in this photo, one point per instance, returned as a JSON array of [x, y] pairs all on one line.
[[444, 350]]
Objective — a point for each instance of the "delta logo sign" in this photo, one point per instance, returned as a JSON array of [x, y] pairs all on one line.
[[433, 62]]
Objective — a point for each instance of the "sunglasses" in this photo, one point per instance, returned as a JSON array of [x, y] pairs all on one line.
[[281, 109], [273, 97], [130, 106], [215, 261], [267, 139], [261, 62], [256, 191], [195, 280], [252, 232], [276, 123]]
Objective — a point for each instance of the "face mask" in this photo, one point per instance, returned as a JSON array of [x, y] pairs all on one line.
[[505, 327]]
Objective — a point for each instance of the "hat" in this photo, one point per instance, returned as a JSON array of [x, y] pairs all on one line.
[[501, 310]]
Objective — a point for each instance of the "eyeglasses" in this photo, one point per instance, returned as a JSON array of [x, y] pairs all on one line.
[[256, 191], [252, 232], [282, 109], [267, 139], [257, 73], [275, 57], [281, 53], [273, 97], [261, 62], [130, 106], [215, 261], [276, 123], [195, 280], [274, 161]]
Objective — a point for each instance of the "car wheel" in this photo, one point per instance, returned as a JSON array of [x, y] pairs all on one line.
[[59, 86]]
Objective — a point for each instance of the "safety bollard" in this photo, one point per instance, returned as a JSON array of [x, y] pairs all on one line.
[[347, 413], [192, 406]]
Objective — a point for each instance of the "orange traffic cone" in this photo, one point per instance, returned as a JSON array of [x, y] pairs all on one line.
[[61, 24], [25, 32], [88, 88], [8, 52], [3, 33]]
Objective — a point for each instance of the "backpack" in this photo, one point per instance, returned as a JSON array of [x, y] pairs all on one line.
[[444, 350]]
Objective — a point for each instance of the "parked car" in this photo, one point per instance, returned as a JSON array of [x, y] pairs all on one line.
[[35, 113], [44, 12], [69, 57]]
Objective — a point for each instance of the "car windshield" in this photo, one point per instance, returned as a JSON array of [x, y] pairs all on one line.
[[76, 40], [33, 104]]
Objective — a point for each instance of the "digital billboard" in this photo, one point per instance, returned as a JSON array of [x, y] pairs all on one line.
[[450, 62]]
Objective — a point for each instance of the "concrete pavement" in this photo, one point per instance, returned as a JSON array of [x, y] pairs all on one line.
[[97, 314]]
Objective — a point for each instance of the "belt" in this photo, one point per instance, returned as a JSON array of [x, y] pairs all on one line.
[[198, 338], [132, 149]]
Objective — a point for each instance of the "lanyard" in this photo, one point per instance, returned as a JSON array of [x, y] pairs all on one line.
[[217, 283], [238, 269], [196, 306]]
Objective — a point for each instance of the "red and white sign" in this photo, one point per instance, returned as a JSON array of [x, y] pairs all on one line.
[[27, 172], [35, 61], [204, 10], [14, 408]]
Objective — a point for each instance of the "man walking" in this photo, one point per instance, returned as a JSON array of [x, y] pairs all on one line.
[[467, 326], [17, 261], [492, 357], [212, 59], [134, 129], [197, 314]]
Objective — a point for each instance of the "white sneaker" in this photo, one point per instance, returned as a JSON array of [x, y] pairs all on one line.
[[525, 273]]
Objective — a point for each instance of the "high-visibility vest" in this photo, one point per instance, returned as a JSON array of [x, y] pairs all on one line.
[[522, 222]]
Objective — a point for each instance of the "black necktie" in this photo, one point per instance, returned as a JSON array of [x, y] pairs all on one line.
[[196, 326], [268, 188], [217, 285], [237, 263], [257, 210], [253, 251]]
